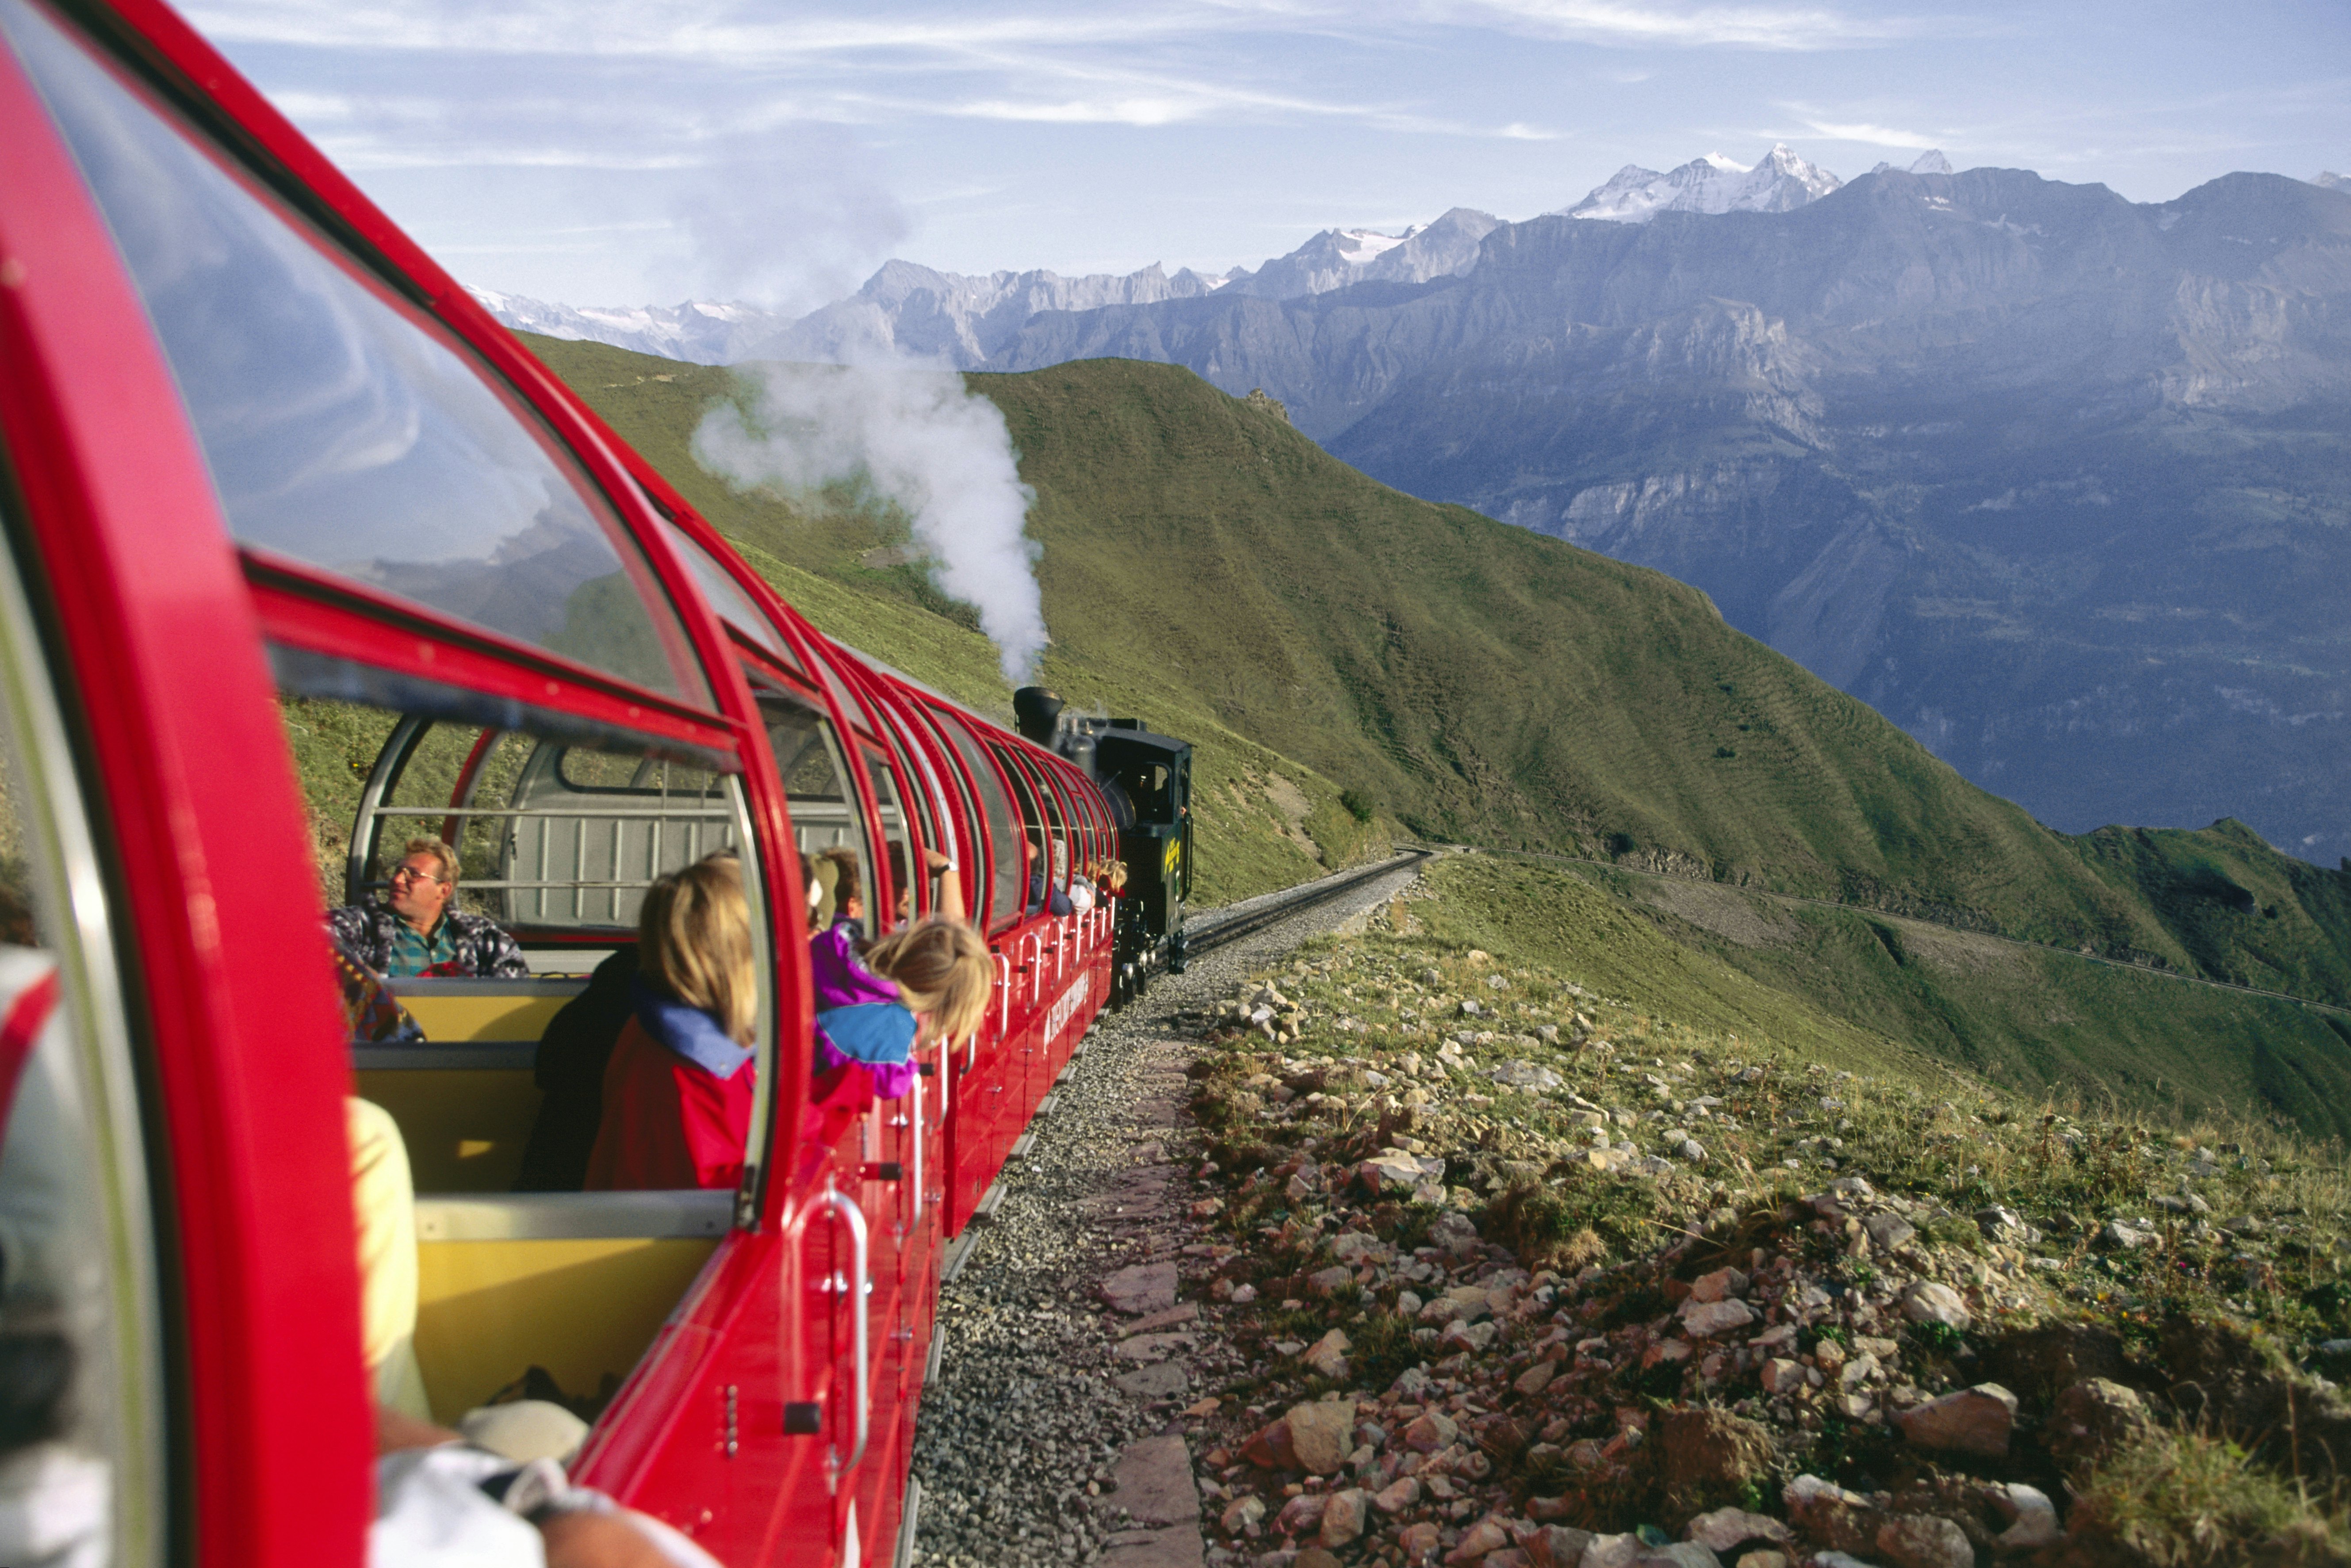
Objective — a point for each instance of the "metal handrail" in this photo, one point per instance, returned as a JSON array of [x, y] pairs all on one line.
[[574, 813], [842, 1205], [918, 1161], [1033, 943]]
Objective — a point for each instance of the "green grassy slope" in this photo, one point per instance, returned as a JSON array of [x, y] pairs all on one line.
[[2033, 1020], [1266, 819], [1209, 568]]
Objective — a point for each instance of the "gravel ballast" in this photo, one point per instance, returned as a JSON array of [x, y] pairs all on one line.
[[1045, 1385]]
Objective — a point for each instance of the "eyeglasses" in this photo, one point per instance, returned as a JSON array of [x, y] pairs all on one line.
[[409, 873]]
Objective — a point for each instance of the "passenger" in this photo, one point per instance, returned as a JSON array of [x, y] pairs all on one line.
[[371, 1014], [824, 884], [569, 1068], [417, 930], [1043, 896], [946, 890], [840, 870], [442, 1502], [929, 982], [677, 1092], [836, 969], [383, 1200]]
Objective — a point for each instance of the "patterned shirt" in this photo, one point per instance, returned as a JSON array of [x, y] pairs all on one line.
[[416, 954], [459, 944]]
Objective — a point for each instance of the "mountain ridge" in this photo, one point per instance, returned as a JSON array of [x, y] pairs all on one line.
[[1779, 181], [2047, 474]]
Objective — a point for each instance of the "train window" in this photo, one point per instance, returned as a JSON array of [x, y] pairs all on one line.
[[500, 1108], [817, 788], [1057, 826], [554, 840], [1030, 844], [343, 427], [727, 597], [954, 827], [937, 814], [1006, 869], [81, 1330], [894, 839]]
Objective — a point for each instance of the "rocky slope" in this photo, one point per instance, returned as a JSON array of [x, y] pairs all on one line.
[[1525, 1280]]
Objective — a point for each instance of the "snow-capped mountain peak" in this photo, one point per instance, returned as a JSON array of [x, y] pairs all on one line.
[[1360, 245], [701, 331], [1779, 183], [1338, 258], [1930, 161]]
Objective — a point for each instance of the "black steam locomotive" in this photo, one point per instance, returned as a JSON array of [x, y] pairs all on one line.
[[1148, 779]]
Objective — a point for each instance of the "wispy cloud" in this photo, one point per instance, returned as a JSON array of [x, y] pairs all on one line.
[[1615, 22], [744, 36], [1875, 135]]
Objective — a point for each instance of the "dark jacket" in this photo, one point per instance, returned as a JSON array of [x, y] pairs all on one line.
[[483, 951], [570, 1071]]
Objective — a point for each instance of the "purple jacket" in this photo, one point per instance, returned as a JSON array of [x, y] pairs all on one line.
[[842, 981]]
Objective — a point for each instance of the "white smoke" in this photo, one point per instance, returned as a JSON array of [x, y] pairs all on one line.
[[920, 438], [793, 220]]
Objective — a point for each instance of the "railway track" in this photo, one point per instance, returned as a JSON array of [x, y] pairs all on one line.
[[1213, 931]]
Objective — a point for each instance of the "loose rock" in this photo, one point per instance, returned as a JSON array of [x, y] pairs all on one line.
[[1973, 1421]]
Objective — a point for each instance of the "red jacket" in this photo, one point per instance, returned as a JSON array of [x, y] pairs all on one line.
[[668, 1124]]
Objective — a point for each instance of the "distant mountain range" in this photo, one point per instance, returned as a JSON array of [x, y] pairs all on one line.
[[968, 318], [2059, 482]]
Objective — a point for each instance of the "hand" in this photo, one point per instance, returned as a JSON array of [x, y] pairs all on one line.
[[936, 862], [598, 1541], [395, 1431]]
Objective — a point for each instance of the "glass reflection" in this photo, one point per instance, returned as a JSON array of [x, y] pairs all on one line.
[[341, 431]]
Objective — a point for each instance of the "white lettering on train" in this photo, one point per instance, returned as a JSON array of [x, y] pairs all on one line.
[[1066, 1006]]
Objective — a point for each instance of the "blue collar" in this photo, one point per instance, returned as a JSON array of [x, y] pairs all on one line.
[[687, 1030]]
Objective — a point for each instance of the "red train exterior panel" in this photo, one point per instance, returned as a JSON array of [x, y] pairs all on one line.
[[163, 623]]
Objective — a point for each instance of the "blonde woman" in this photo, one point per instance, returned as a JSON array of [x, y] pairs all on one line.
[[941, 973], [678, 1090]]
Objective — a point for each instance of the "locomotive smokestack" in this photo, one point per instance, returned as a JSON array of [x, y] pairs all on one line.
[[1036, 712]]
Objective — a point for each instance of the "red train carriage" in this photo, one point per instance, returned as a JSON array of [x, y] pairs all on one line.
[[271, 479]]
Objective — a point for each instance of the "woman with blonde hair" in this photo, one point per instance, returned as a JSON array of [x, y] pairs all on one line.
[[941, 973], [678, 1090]]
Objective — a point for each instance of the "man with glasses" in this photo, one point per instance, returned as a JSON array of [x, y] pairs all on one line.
[[417, 930]]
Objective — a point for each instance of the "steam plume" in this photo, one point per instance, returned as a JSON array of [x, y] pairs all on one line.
[[921, 439], [792, 222]]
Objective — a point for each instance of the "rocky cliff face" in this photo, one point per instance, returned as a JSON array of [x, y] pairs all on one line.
[[1341, 258], [2056, 480]]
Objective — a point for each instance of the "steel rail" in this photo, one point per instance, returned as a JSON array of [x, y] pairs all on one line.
[[1231, 928]]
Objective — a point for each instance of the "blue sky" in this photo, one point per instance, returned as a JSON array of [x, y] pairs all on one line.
[[628, 152]]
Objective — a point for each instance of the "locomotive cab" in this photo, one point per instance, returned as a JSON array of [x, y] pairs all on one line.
[[1147, 778]]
